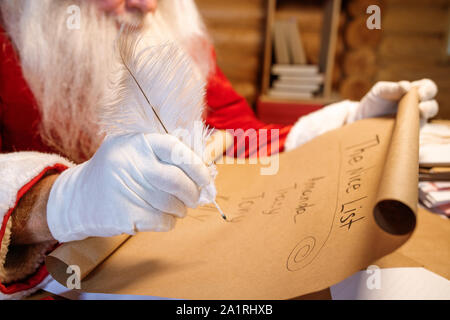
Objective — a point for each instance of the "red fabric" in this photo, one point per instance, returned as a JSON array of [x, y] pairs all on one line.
[[19, 116], [41, 273], [284, 112], [226, 109]]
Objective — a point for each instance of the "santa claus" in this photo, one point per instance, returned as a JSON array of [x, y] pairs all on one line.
[[59, 180]]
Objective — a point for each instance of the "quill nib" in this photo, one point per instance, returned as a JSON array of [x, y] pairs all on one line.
[[220, 210]]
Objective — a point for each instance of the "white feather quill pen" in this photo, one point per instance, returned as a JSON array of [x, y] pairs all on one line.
[[157, 92]]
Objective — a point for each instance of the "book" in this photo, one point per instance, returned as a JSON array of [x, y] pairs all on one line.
[[436, 196], [434, 174], [435, 145], [301, 87], [280, 43], [295, 45], [307, 79], [295, 70]]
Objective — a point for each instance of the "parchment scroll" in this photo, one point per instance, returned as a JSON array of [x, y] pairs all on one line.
[[335, 205]]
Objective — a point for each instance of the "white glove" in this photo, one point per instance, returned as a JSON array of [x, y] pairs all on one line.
[[381, 100], [384, 96], [132, 183]]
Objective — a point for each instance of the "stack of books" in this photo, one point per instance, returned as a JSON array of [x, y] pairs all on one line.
[[294, 77], [435, 196], [434, 168]]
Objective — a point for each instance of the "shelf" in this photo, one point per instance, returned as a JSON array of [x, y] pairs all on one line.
[[329, 30]]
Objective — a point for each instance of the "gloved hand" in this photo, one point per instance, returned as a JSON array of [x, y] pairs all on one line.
[[381, 100], [384, 96], [132, 183]]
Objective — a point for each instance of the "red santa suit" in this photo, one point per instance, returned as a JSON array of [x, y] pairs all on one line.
[[19, 123]]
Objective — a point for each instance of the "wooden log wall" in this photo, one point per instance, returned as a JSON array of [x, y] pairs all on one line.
[[410, 46], [361, 44], [237, 28], [413, 45]]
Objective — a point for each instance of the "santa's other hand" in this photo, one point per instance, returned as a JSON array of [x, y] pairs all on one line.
[[384, 96], [381, 100]]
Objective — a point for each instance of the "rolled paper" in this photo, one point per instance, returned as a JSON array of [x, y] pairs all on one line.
[[396, 207]]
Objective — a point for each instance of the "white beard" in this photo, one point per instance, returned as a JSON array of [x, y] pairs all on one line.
[[68, 70]]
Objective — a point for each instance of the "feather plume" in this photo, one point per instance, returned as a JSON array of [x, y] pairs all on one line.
[[157, 92]]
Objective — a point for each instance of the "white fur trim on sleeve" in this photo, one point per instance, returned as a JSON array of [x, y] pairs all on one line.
[[25, 293], [17, 169]]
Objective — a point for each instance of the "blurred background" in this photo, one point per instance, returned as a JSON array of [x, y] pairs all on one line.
[[413, 43]]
